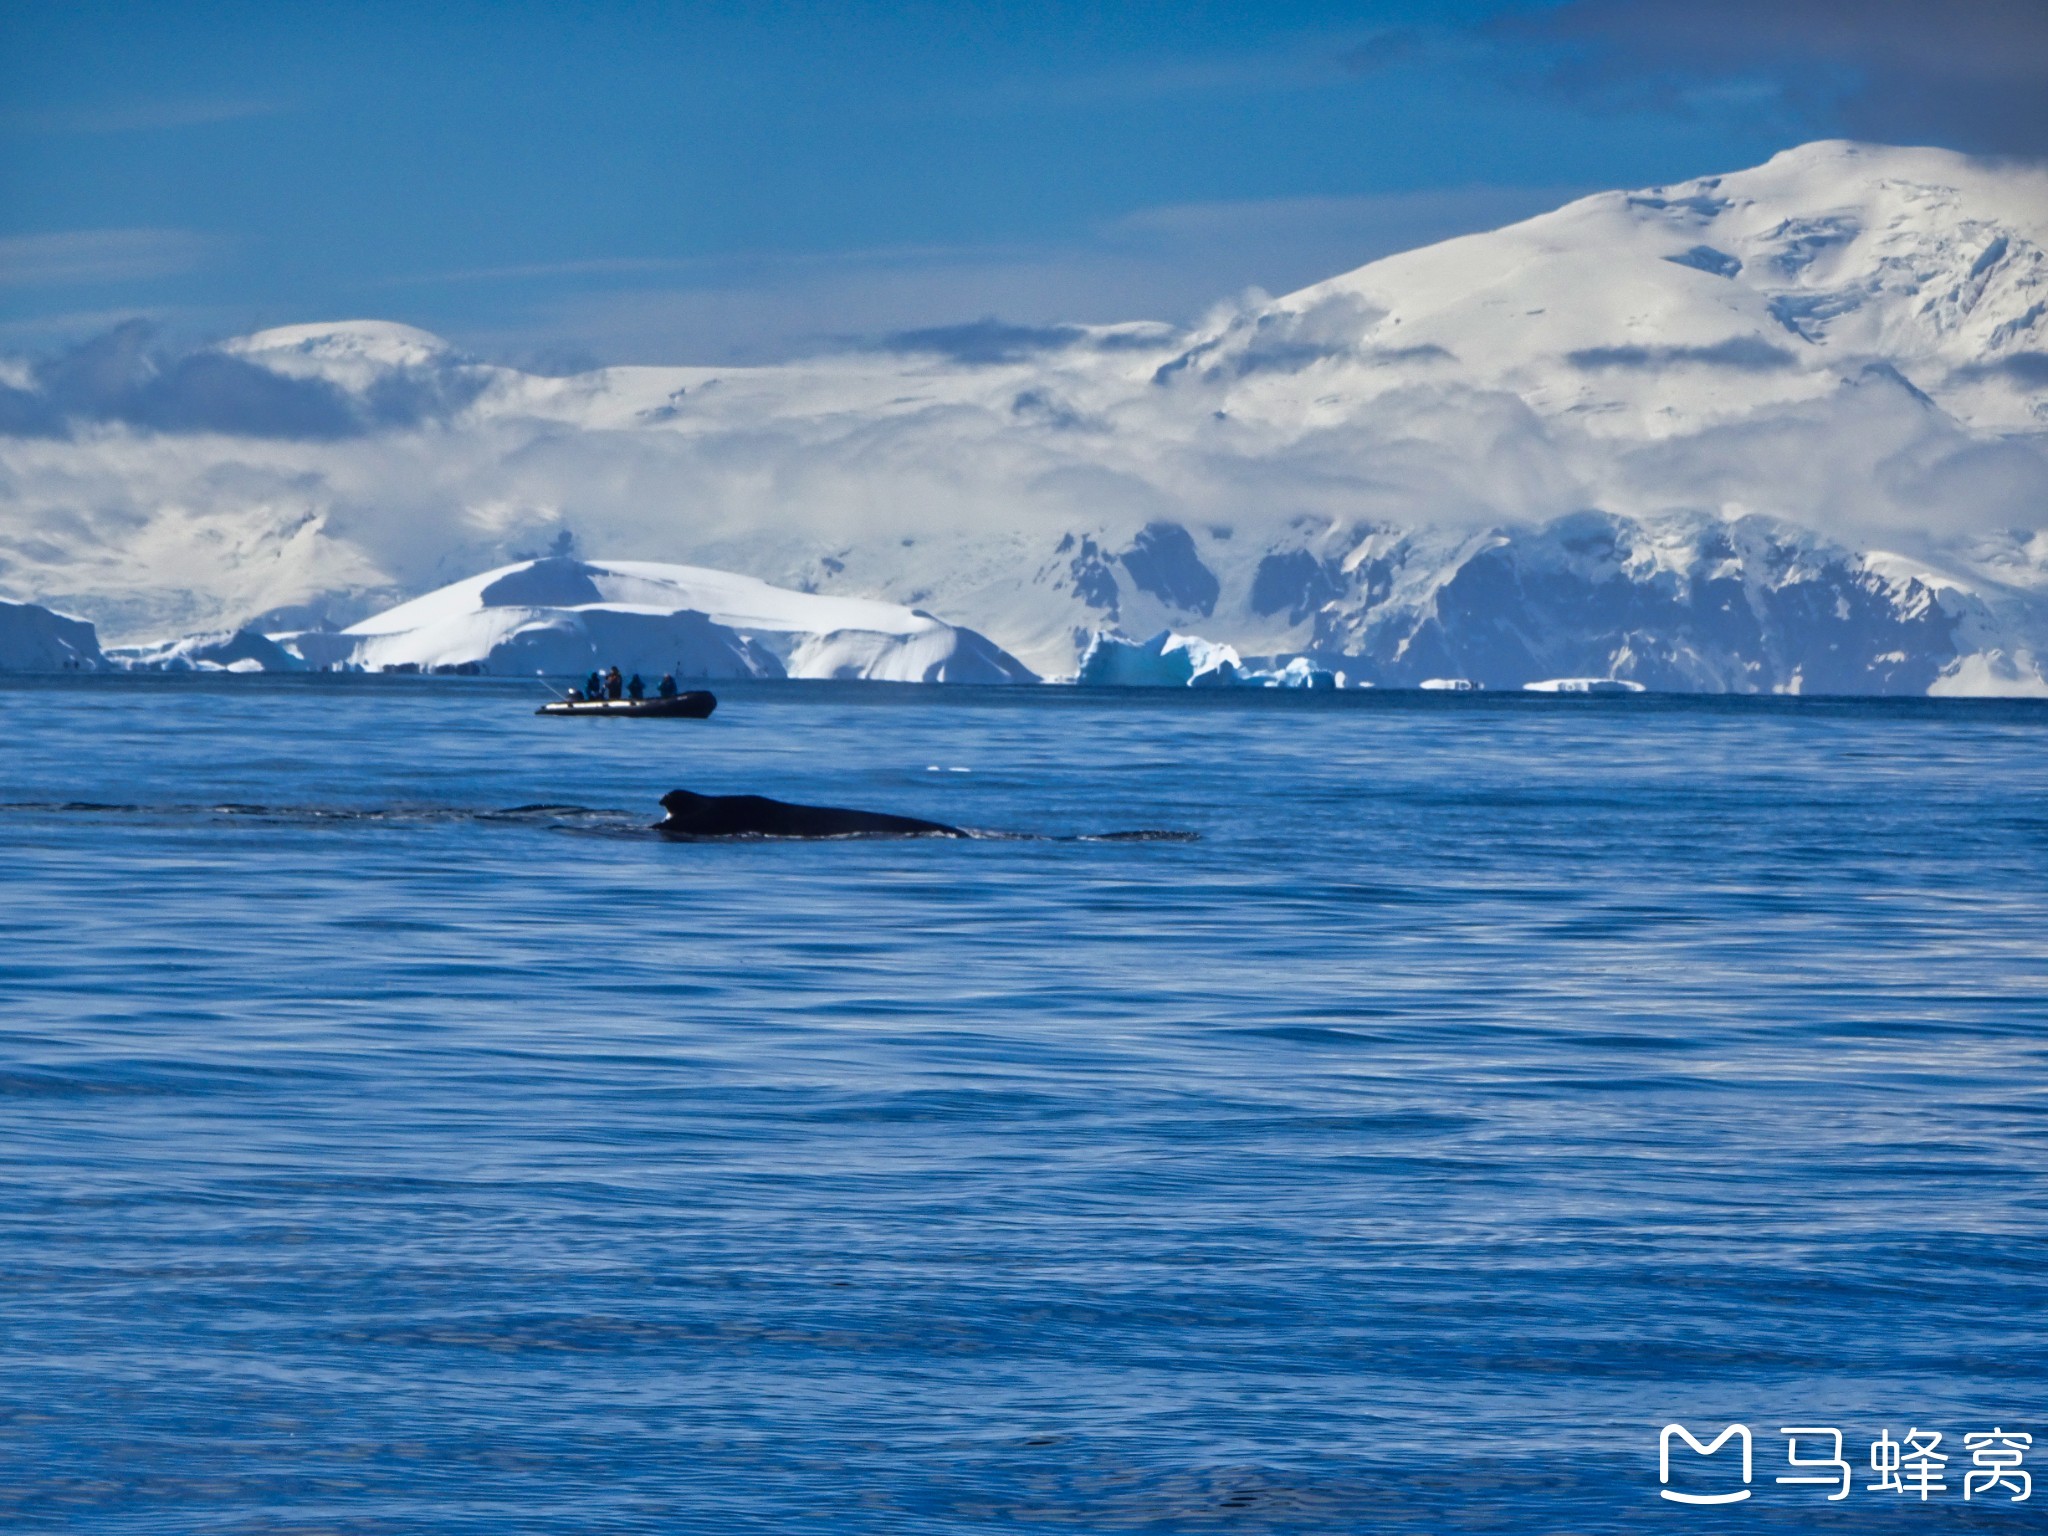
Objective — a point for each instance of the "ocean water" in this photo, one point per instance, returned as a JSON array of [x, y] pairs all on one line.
[[395, 1137]]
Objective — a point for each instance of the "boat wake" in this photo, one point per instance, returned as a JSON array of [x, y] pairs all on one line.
[[566, 816]]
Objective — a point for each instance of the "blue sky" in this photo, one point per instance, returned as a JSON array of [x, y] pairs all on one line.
[[556, 184]]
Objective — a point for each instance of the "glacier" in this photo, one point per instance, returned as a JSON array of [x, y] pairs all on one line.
[[232, 650], [1779, 430]]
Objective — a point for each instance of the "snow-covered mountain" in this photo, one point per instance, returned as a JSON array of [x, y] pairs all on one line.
[[563, 616], [1685, 602], [1780, 429]]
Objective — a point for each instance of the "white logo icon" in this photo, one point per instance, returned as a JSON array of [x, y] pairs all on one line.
[[1664, 1463]]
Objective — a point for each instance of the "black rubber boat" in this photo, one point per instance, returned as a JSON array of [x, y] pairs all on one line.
[[684, 706]]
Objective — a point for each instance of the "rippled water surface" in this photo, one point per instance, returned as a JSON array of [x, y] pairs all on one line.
[[394, 1137]]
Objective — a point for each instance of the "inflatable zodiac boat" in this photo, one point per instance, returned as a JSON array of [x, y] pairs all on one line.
[[684, 706]]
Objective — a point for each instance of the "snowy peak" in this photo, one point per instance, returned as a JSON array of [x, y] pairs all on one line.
[[1906, 252], [1680, 304], [351, 347]]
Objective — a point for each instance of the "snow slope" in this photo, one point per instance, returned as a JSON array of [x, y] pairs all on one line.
[[1807, 402], [563, 616]]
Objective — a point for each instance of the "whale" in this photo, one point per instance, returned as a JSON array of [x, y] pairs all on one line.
[[697, 816]]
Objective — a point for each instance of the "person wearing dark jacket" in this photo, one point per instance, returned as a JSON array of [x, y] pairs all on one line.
[[614, 685], [667, 687], [593, 687], [636, 690]]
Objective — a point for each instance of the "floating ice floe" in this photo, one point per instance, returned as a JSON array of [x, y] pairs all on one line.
[[1584, 685], [1297, 672]]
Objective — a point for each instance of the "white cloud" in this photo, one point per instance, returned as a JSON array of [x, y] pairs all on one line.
[[1168, 263], [84, 256], [149, 116]]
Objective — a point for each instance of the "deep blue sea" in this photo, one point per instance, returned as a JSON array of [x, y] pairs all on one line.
[[1493, 1081]]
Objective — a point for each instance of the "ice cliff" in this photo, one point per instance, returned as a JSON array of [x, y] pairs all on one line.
[[33, 639]]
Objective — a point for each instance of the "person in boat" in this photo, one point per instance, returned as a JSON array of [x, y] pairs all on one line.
[[635, 689], [614, 685], [667, 687], [593, 687], [574, 695]]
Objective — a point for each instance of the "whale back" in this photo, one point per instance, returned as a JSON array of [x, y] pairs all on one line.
[[692, 815]]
